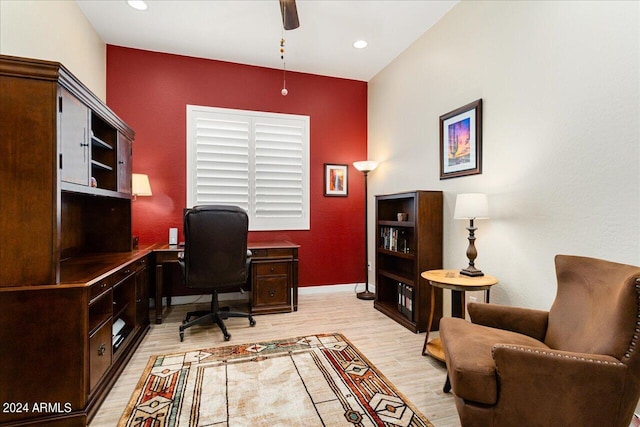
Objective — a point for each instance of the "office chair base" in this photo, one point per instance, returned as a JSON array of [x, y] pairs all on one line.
[[217, 317]]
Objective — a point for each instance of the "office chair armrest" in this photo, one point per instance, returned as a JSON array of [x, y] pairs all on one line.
[[181, 262], [525, 321], [248, 283]]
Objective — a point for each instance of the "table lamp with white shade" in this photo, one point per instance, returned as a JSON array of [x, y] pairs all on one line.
[[471, 206]]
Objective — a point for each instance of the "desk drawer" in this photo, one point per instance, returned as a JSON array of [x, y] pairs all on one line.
[[115, 278], [99, 354], [271, 286], [272, 268], [269, 291], [259, 253], [100, 287], [139, 264], [274, 253]]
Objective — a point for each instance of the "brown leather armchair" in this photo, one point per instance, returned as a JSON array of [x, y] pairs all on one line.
[[576, 365]]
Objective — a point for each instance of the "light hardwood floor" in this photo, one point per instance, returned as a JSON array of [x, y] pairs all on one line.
[[394, 350]]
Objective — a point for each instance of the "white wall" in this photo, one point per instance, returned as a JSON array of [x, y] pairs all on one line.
[[55, 31], [560, 83]]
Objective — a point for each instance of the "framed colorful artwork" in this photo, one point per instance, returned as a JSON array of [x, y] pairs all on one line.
[[461, 141], [335, 180]]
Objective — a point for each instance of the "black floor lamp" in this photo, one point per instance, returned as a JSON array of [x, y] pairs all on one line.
[[365, 167]]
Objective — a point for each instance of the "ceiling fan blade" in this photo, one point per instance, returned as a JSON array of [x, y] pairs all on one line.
[[289, 13]]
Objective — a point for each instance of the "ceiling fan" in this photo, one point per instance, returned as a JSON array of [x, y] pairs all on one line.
[[289, 13]]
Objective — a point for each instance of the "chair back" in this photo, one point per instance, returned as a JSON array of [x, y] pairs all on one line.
[[596, 309], [215, 252]]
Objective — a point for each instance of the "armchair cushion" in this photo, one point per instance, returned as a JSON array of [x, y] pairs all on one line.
[[515, 319], [468, 350]]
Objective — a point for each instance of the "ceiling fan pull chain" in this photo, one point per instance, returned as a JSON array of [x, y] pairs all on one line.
[[284, 90]]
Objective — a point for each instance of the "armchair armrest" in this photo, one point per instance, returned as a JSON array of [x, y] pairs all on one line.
[[558, 387], [516, 319]]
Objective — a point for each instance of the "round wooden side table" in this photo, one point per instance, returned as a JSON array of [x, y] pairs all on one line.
[[458, 284]]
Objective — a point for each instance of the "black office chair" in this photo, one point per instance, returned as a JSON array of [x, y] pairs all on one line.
[[215, 258]]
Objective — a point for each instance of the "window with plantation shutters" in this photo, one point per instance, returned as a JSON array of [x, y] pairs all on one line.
[[258, 161]]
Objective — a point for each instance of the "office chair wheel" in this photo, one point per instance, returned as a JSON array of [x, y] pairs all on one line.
[[252, 322], [227, 337], [181, 336]]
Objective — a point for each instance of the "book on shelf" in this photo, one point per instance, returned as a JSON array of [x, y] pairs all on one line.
[[120, 331], [117, 327], [393, 239], [117, 340], [405, 300], [409, 301]]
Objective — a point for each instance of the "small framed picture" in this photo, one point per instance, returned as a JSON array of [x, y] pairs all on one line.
[[461, 141], [335, 180]]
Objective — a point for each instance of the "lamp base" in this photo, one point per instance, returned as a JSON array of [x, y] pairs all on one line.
[[367, 295], [471, 272]]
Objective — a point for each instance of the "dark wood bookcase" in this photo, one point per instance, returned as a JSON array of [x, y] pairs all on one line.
[[405, 247]]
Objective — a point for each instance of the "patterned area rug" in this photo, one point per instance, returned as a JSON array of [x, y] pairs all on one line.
[[317, 380]]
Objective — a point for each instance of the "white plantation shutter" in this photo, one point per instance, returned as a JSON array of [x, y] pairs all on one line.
[[258, 161], [222, 162], [278, 169]]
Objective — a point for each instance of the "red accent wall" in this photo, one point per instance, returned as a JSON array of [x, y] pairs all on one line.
[[150, 91]]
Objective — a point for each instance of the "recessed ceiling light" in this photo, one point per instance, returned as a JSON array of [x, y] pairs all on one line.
[[360, 44], [137, 4]]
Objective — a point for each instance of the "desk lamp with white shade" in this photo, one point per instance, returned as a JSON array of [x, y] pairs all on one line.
[[140, 185]]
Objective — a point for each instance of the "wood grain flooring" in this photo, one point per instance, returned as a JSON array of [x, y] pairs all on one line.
[[394, 350]]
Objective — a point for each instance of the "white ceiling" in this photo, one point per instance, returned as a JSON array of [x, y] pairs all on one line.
[[249, 31]]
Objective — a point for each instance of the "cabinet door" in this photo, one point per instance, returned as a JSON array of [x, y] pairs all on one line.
[[124, 313], [124, 164], [73, 121], [142, 296], [99, 354]]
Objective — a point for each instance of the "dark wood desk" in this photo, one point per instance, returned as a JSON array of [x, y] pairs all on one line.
[[58, 340], [274, 276]]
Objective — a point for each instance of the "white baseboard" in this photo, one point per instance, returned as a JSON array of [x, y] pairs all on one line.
[[329, 289], [237, 296]]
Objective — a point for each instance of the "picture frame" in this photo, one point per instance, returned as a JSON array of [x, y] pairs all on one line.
[[461, 141], [336, 180]]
